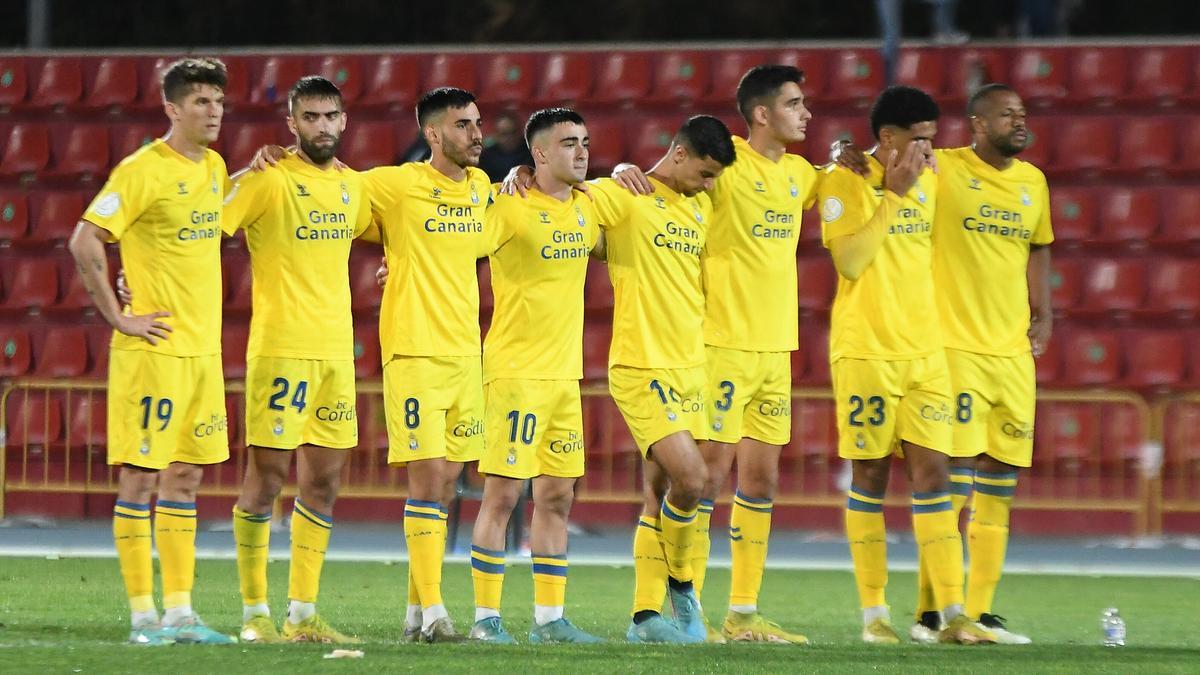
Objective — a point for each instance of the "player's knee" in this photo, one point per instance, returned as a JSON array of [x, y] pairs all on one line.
[[871, 476], [557, 502], [320, 491], [689, 488], [759, 483], [931, 474]]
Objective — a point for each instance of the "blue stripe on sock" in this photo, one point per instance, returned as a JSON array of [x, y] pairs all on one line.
[[178, 505], [124, 515], [758, 509], [1008, 475], [750, 500], [485, 566], [328, 520], [135, 507], [996, 490], [932, 508], [670, 513], [487, 551], [552, 570], [534, 556], [417, 514], [319, 523], [930, 495], [706, 502], [963, 489], [424, 505], [866, 507], [961, 471]]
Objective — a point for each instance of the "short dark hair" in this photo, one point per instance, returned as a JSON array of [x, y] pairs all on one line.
[[313, 86], [979, 95], [547, 119], [764, 82], [707, 136], [179, 77], [441, 99], [900, 106]]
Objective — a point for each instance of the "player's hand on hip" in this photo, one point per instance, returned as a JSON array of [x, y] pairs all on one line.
[[267, 155], [517, 181], [381, 274], [1040, 328], [845, 154], [146, 326], [632, 178], [902, 169], [124, 295]]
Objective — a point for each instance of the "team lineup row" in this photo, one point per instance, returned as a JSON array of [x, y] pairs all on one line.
[[932, 339]]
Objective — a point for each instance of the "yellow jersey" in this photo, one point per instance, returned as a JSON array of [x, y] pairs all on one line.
[[165, 210], [539, 262], [654, 243], [889, 312], [750, 262], [985, 222], [433, 233], [299, 223]]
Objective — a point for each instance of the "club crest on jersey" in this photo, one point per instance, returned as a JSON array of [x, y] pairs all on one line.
[[544, 217], [345, 194], [277, 426], [1025, 198], [794, 190], [144, 448], [660, 202], [474, 195], [412, 441], [759, 187], [183, 188], [921, 196], [512, 457], [699, 216], [974, 185], [302, 190], [579, 217], [718, 423], [437, 193], [214, 183], [860, 441]]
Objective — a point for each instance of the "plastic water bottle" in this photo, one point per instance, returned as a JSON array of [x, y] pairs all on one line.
[[1114, 628]]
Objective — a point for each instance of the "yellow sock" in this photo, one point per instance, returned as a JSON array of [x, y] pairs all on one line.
[[749, 530], [649, 567], [701, 545], [867, 534], [132, 536], [310, 540], [961, 481], [487, 573], [988, 538], [677, 529], [425, 534], [175, 537], [940, 545], [549, 580], [252, 534]]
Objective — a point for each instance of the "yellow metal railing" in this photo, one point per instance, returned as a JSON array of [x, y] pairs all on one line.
[[55, 443], [1179, 444]]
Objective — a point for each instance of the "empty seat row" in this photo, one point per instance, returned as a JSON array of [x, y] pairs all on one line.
[[1150, 359], [1137, 286], [1079, 74]]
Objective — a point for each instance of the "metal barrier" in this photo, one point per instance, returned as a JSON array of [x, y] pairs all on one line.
[[1177, 438], [53, 438]]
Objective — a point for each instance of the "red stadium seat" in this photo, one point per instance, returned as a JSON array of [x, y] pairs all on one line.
[[239, 291], [598, 291], [34, 419], [1042, 132], [1174, 285], [14, 82], [1084, 144], [728, 67], [150, 92], [60, 83], [823, 132], [83, 153], [681, 77], [508, 78], [1193, 346], [1147, 144], [607, 146], [1181, 436], [57, 215], [365, 293], [596, 340], [1098, 74], [1122, 433], [87, 420], [1091, 357], [953, 132], [816, 343], [1067, 431], [1040, 74], [99, 342], [1066, 283], [366, 351], [128, 138], [34, 284], [1180, 216], [971, 68], [279, 74], [28, 150], [1128, 215], [1154, 358], [1160, 74], [15, 351], [1073, 213], [623, 77], [393, 82], [652, 136], [233, 349], [62, 353], [816, 281], [856, 76], [1115, 285], [814, 430], [369, 144], [923, 68], [115, 84], [812, 62], [451, 70], [1189, 145], [345, 71], [75, 299], [484, 279], [247, 139], [14, 215], [566, 78], [1048, 366]]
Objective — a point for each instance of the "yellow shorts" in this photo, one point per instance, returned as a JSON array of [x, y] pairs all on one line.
[[164, 409], [294, 402], [880, 403], [534, 428], [750, 395], [657, 403], [994, 402], [434, 408]]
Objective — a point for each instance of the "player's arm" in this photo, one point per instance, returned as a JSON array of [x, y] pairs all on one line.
[[632, 178], [87, 248], [1041, 312]]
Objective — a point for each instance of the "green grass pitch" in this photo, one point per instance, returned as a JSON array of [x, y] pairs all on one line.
[[70, 615]]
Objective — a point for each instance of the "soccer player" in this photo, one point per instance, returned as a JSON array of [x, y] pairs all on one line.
[[750, 326], [432, 219], [532, 364], [656, 360], [300, 216], [991, 250], [890, 378], [166, 391]]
